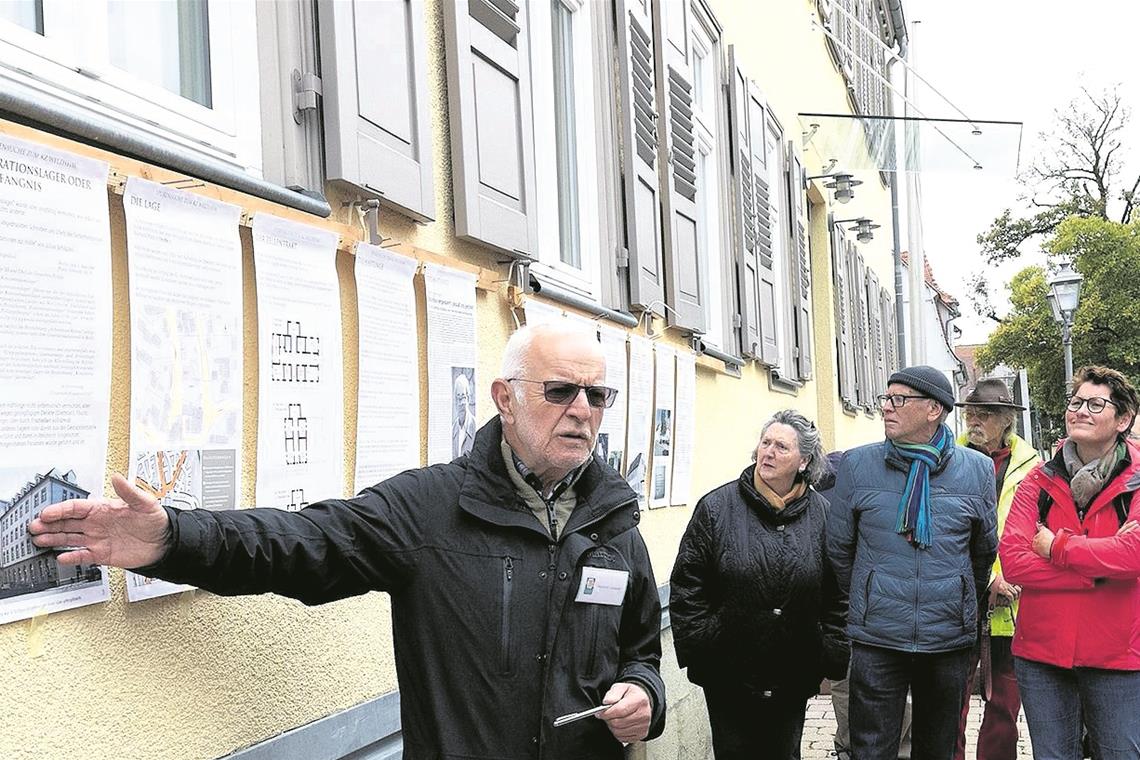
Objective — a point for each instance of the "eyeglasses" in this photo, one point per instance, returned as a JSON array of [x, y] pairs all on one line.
[[981, 415], [563, 393], [897, 400], [1095, 404]]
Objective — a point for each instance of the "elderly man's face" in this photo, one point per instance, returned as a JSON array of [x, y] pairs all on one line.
[[985, 426], [552, 439]]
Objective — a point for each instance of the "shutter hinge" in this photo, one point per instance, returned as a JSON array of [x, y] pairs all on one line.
[[623, 257], [736, 321], [306, 93]]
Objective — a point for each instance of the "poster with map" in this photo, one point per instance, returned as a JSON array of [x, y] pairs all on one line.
[[185, 282]]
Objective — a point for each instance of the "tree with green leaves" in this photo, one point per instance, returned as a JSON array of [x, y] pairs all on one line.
[[1106, 326]]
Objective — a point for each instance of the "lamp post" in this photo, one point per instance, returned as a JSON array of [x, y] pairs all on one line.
[[1064, 295]]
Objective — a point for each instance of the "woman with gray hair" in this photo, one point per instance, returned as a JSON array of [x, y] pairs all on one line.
[[757, 616]]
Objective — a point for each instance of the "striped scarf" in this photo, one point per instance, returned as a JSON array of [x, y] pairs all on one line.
[[914, 509]]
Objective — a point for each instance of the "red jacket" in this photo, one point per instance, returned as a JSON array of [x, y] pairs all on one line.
[[1081, 607]]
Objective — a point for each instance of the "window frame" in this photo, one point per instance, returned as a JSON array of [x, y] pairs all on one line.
[[70, 64]]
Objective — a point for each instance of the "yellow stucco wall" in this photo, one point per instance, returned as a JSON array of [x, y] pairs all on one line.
[[198, 676]]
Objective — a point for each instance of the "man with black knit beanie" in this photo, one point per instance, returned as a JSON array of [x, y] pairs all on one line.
[[912, 535]]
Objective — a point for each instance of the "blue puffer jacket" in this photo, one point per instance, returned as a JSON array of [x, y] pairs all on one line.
[[902, 597]]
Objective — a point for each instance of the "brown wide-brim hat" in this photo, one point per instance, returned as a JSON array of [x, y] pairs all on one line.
[[990, 392]]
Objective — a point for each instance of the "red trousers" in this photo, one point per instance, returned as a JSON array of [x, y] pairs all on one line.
[[997, 739]]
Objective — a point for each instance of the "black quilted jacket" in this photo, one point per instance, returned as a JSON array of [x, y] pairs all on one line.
[[753, 599]]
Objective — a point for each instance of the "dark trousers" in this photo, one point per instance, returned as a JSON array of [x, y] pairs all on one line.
[[748, 726], [879, 682], [997, 738]]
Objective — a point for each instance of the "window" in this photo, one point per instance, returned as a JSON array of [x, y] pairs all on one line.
[[566, 154], [182, 70]]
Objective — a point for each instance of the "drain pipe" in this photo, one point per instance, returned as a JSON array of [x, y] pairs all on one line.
[[898, 23]]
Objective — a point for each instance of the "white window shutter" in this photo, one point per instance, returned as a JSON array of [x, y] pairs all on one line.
[[684, 289], [864, 394], [641, 153], [765, 253], [744, 202], [875, 313], [845, 356], [374, 80], [800, 265], [889, 333], [492, 126]]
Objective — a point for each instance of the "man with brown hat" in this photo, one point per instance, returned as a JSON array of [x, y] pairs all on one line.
[[912, 536], [990, 415]]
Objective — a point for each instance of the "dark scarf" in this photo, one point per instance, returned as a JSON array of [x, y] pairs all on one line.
[[914, 508]]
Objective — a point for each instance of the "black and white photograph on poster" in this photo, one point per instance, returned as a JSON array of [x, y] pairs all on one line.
[[463, 410], [662, 432], [31, 578], [602, 447]]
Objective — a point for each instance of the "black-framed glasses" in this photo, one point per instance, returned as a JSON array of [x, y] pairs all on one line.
[[563, 393], [897, 400], [1095, 404]]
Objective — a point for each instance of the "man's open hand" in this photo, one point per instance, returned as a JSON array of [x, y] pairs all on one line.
[[130, 531]]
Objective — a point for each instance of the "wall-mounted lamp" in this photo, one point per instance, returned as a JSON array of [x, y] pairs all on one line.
[[864, 228], [842, 184]]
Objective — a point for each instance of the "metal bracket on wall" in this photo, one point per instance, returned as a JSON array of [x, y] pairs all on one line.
[[306, 94]]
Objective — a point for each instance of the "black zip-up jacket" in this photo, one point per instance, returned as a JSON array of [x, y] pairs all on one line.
[[490, 643], [754, 603]]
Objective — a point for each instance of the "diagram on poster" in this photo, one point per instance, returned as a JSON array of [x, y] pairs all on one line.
[[300, 434], [55, 377]]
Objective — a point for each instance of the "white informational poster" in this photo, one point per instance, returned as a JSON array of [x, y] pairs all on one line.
[[640, 414], [55, 377], [388, 409], [611, 434], [661, 480], [540, 313], [184, 273], [452, 354], [300, 430], [685, 428]]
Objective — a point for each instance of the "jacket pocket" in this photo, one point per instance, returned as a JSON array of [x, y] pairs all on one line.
[[866, 597], [505, 619], [592, 657]]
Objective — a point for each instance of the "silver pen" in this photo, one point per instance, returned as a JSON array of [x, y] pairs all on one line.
[[562, 720]]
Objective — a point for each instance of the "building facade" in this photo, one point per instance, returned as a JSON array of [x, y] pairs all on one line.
[[657, 165], [24, 567]]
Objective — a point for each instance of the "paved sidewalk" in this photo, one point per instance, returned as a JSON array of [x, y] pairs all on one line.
[[819, 730]]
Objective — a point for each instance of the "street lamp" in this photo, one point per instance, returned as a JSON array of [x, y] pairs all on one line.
[[864, 228], [842, 184], [1064, 295]]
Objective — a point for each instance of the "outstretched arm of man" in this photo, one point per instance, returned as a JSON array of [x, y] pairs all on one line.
[[130, 531]]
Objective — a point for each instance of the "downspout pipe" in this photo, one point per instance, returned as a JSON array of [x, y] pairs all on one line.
[[30, 107], [898, 22]]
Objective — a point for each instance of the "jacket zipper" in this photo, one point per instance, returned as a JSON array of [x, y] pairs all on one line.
[[505, 622], [592, 661]]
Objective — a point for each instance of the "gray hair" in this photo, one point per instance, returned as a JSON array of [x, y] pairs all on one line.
[[808, 438], [516, 354]]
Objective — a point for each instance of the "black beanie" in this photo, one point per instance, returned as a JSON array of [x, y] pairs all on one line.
[[927, 381]]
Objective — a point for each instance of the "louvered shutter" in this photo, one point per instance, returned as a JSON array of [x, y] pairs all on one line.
[[374, 80], [744, 222], [765, 256], [875, 327], [800, 264], [678, 172], [492, 137], [640, 154], [863, 392], [845, 357], [890, 352]]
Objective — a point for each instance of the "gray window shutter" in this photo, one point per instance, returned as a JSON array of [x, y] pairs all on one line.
[[891, 349], [863, 390], [875, 327], [684, 289], [492, 127], [845, 356], [744, 222], [640, 153], [765, 256], [799, 260], [374, 78]]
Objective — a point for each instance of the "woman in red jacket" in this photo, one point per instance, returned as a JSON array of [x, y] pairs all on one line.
[[1070, 543]]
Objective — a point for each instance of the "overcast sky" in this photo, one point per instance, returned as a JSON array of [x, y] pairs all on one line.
[[1015, 61]]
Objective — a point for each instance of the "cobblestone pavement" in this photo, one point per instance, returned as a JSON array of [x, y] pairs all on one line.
[[819, 730]]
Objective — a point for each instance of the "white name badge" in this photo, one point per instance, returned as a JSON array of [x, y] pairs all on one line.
[[602, 586]]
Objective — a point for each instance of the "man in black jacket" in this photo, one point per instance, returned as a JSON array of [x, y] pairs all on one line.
[[521, 588]]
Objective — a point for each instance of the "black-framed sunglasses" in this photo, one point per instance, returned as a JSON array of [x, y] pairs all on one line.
[[897, 400], [1095, 404], [563, 393]]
